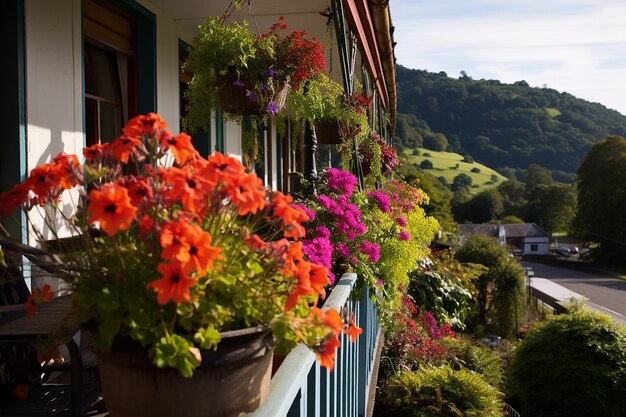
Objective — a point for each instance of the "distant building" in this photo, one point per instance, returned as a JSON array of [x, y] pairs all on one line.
[[520, 238], [524, 238]]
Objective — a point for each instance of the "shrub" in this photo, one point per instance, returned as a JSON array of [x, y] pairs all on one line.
[[416, 152], [571, 365], [440, 392], [475, 170], [465, 353], [426, 164], [428, 154], [468, 159]]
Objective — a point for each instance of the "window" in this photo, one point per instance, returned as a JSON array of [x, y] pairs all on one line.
[[534, 247], [110, 71]]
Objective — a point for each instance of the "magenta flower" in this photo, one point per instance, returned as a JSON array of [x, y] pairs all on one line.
[[340, 181], [371, 250], [401, 221], [381, 199], [404, 235]]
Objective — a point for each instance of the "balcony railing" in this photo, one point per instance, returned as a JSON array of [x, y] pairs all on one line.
[[302, 388]]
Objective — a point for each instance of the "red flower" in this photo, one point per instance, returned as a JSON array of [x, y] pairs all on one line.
[[184, 186], [174, 284], [180, 146], [145, 125], [247, 193], [122, 147], [111, 207], [292, 216]]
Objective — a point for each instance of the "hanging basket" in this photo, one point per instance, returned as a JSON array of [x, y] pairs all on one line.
[[327, 132], [233, 97], [233, 379]]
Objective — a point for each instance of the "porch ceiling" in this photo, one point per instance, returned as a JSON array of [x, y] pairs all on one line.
[[299, 14]]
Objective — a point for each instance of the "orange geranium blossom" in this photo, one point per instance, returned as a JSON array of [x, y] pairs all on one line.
[[184, 248]]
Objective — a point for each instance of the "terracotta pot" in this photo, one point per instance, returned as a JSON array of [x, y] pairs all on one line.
[[233, 379], [327, 132]]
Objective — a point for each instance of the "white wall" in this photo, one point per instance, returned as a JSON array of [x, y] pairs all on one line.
[[53, 79]]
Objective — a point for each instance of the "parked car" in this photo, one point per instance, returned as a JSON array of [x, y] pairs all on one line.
[[562, 251], [573, 250]]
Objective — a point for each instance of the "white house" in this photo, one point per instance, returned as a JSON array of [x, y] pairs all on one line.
[[524, 238]]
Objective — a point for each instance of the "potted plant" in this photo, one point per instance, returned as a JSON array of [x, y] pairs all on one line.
[[377, 156], [337, 117], [246, 72], [178, 254]]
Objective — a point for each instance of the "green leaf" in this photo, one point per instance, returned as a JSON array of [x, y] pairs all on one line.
[[207, 338]]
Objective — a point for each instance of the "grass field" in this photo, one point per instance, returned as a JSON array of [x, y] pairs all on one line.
[[449, 165]]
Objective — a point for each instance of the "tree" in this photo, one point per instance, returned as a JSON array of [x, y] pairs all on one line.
[[426, 164], [537, 175], [513, 198], [461, 181], [602, 197], [552, 207], [500, 288], [571, 365], [483, 207]]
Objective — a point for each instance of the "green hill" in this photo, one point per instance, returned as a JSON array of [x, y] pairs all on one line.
[[448, 165], [504, 126]]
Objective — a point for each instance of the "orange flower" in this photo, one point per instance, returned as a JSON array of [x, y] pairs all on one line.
[[111, 207], [291, 216], [138, 189], [122, 147], [326, 354], [174, 284], [247, 193], [353, 331], [145, 124], [95, 151], [68, 169], [222, 169], [38, 297], [184, 186], [44, 181], [180, 146], [11, 199], [188, 244]]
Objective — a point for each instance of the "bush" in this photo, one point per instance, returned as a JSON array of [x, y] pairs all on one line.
[[440, 392], [426, 164], [427, 154], [416, 152], [468, 159], [466, 353], [571, 365], [475, 170]]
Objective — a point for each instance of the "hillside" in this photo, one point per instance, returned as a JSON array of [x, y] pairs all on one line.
[[504, 126], [449, 165]]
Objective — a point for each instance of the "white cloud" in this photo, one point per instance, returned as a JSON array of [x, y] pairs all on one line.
[[575, 45]]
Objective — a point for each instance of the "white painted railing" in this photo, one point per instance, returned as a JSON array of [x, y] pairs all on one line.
[[301, 388]]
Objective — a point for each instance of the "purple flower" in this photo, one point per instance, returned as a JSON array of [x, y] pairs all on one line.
[[380, 282], [238, 83], [309, 213], [340, 181], [251, 96], [382, 200], [322, 231], [270, 73], [401, 221], [272, 108], [404, 235], [319, 250], [342, 250], [371, 250]]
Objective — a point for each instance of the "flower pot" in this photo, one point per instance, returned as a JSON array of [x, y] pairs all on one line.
[[327, 132], [233, 379], [233, 97]]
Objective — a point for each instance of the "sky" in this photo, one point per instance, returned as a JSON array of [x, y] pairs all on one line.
[[573, 46]]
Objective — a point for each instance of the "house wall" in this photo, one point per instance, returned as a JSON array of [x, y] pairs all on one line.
[[542, 245]]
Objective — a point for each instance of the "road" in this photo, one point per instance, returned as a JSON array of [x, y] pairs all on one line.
[[605, 293]]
